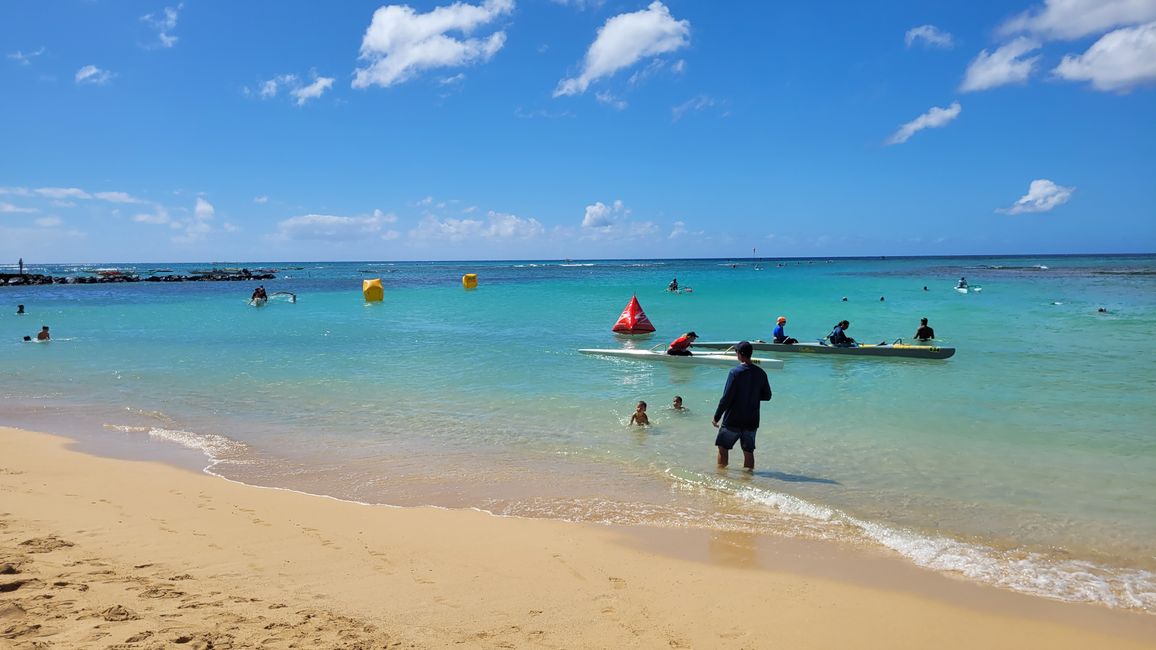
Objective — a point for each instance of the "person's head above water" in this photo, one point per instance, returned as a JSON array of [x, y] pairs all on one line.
[[922, 321]]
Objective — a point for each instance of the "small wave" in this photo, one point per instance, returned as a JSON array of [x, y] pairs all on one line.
[[1016, 569], [218, 449], [575, 265]]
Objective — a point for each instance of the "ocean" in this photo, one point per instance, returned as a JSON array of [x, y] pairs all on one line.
[[1026, 461]]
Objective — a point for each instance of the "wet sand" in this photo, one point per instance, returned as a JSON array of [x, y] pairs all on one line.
[[100, 552]]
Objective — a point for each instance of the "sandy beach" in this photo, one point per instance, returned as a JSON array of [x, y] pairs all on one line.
[[109, 553]]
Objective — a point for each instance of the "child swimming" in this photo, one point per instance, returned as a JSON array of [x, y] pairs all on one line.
[[639, 416]]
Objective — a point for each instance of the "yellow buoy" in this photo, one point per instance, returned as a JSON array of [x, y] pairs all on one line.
[[372, 290], [470, 280]]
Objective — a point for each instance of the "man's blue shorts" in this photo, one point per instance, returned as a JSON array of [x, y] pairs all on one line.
[[727, 437]]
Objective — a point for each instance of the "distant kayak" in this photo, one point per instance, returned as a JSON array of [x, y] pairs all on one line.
[[888, 350], [698, 358]]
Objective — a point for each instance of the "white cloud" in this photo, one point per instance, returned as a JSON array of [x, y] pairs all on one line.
[[1001, 67], [48, 222], [601, 215], [313, 90], [1119, 61], [453, 79], [580, 4], [12, 209], [497, 225], [204, 209], [160, 216], [1072, 19], [63, 193], [934, 118], [679, 66], [25, 58], [269, 88], [117, 197], [1042, 196], [326, 227], [693, 104], [400, 42], [385, 218], [16, 191], [611, 100], [679, 230], [626, 39], [930, 35], [164, 22], [261, 199], [91, 74]]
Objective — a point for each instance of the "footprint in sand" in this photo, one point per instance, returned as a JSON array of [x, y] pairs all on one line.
[[45, 544]]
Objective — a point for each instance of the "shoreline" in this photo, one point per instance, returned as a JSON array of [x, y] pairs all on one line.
[[160, 553]]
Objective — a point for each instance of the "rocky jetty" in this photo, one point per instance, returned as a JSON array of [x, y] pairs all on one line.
[[215, 275]]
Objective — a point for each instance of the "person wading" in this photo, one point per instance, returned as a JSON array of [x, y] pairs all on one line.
[[737, 415]]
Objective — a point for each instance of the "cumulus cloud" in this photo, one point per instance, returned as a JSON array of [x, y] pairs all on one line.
[[1042, 196], [269, 88], [580, 4], [313, 90], [1119, 61], [929, 35], [164, 23], [626, 39], [497, 225], [91, 74], [679, 230], [1072, 19], [1001, 67], [611, 100], [261, 199], [333, 228], [204, 209], [400, 42], [934, 118], [601, 215], [693, 104], [48, 222], [25, 58]]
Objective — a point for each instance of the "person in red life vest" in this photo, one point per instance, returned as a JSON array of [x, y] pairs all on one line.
[[681, 345]]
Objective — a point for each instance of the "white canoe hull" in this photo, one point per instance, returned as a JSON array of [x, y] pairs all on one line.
[[698, 358]]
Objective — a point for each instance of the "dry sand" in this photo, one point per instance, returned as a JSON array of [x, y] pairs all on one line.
[[105, 553]]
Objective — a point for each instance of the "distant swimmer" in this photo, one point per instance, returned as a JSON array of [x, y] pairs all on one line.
[[1102, 310], [677, 403], [844, 298], [639, 416], [962, 284], [19, 310], [673, 286], [43, 334], [924, 333], [259, 295], [925, 287], [838, 335], [681, 345], [779, 333], [880, 298]]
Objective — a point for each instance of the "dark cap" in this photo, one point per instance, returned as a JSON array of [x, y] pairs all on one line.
[[744, 348], [691, 333]]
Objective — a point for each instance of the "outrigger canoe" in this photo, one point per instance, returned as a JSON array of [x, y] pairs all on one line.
[[882, 350], [698, 358]]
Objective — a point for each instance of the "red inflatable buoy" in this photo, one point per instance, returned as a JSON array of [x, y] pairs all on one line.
[[633, 320]]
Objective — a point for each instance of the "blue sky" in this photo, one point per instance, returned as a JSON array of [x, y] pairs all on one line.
[[519, 129]]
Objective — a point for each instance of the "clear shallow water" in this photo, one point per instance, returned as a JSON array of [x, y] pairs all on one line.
[[1028, 460]]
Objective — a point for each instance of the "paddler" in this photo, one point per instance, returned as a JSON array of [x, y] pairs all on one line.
[[780, 336], [924, 333], [681, 345], [839, 337]]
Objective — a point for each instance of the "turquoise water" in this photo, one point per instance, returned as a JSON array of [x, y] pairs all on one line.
[[1027, 461]]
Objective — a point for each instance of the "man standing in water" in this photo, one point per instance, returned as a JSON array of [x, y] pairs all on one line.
[[738, 409]]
